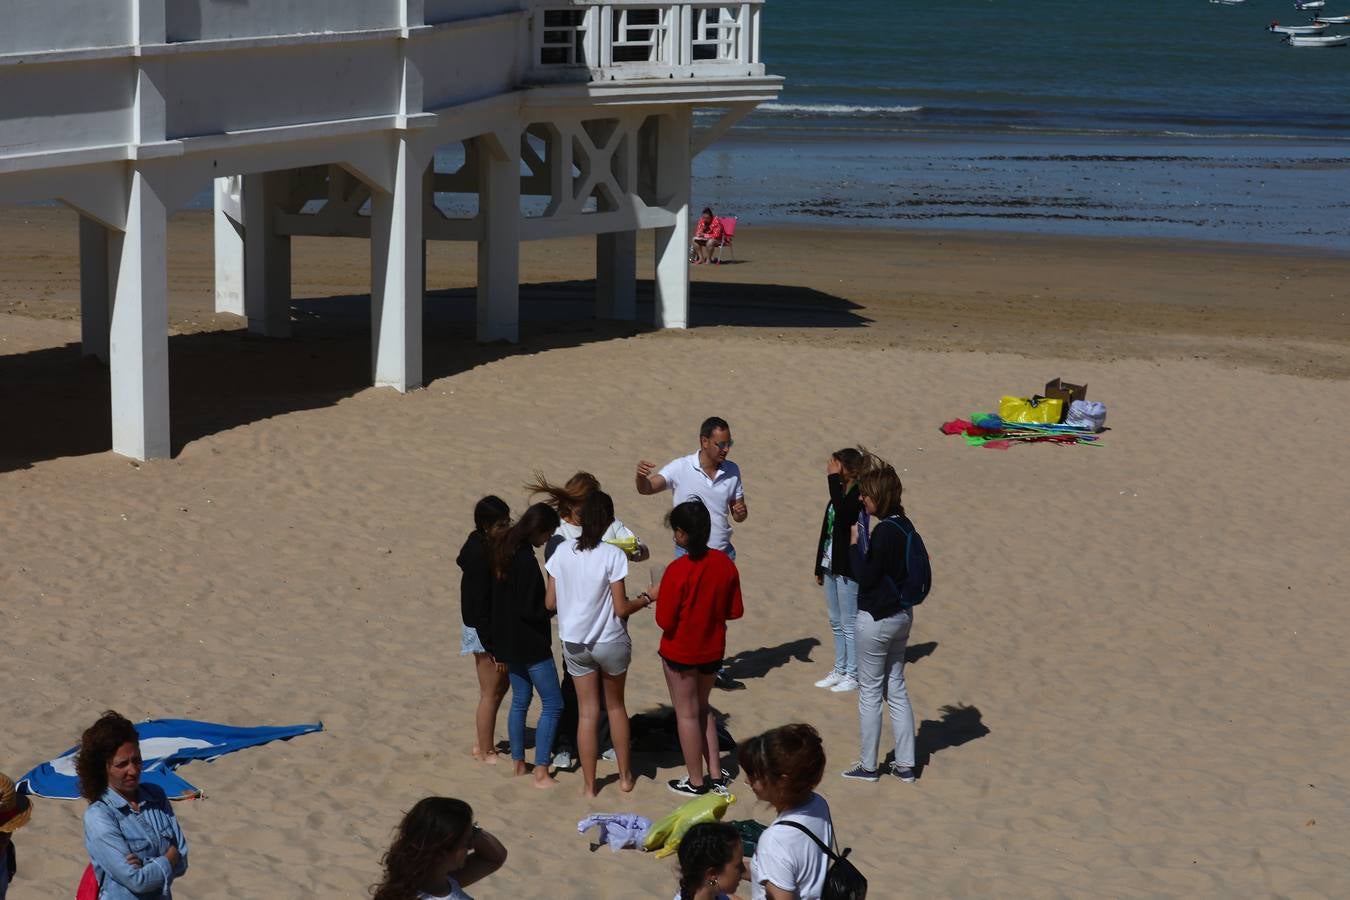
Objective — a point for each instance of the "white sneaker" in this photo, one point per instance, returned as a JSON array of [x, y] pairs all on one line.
[[845, 684], [562, 760], [830, 680]]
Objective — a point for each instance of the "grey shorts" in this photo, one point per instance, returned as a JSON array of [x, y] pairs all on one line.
[[610, 657]]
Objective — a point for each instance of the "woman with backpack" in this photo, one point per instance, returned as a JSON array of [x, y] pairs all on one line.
[[783, 766], [834, 570], [883, 624]]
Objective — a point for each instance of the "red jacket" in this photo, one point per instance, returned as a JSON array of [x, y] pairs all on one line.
[[712, 231], [695, 601]]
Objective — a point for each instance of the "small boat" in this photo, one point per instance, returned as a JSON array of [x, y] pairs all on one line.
[[1309, 4], [1295, 29], [1318, 40], [1332, 20], [1228, 2]]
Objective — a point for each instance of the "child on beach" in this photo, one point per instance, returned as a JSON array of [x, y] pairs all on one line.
[[699, 592], [522, 638], [783, 766], [712, 862], [567, 500], [834, 569], [585, 586], [437, 852], [491, 518]]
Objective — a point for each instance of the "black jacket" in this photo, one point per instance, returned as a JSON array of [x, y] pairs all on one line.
[[520, 631], [885, 556], [846, 509], [475, 584]]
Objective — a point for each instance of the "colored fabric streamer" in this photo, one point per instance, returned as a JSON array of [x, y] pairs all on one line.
[[994, 433]]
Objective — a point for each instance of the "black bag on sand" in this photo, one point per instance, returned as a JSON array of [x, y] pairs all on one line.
[[843, 881]]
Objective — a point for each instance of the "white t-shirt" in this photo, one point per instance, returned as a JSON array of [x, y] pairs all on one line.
[[790, 859], [688, 480], [456, 893], [616, 531], [585, 603]]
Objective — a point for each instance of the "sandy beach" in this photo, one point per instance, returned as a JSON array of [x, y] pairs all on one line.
[[1128, 678]]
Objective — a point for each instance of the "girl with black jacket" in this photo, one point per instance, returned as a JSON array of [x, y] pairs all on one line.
[[522, 638], [491, 518], [834, 569], [883, 625]]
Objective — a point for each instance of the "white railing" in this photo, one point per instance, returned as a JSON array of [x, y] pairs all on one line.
[[627, 39]]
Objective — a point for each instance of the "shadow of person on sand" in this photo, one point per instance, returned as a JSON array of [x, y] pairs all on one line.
[[761, 661], [916, 652], [960, 724]]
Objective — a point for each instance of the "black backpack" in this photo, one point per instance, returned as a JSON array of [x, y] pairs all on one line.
[[918, 570], [843, 881]]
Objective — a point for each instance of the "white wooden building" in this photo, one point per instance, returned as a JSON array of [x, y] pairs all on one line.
[[323, 117]]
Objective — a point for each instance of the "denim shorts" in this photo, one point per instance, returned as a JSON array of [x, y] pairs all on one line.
[[469, 642], [610, 657]]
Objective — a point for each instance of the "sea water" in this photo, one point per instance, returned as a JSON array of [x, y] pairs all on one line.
[[1160, 118]]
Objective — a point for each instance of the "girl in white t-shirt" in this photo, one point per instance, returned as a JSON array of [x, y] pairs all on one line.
[[437, 852], [712, 862], [585, 585], [783, 767]]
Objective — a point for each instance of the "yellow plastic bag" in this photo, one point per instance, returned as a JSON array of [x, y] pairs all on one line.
[[664, 836], [1046, 411], [628, 545]]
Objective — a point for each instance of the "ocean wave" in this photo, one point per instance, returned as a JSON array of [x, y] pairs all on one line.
[[838, 109]]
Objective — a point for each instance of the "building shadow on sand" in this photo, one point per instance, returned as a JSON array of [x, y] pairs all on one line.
[[57, 404]]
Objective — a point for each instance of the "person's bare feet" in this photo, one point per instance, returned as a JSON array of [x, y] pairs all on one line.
[[520, 768], [589, 791], [542, 780], [490, 757], [627, 783]]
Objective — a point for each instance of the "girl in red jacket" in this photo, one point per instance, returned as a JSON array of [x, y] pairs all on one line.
[[699, 593]]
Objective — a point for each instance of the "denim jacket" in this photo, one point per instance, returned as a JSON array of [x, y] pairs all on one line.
[[112, 830]]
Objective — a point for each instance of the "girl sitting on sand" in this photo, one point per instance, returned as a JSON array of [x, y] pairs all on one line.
[[783, 766], [700, 591], [712, 862], [437, 852], [491, 518], [585, 586], [522, 638]]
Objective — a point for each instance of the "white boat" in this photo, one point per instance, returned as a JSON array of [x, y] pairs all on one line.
[[1228, 2], [1295, 29], [1319, 40], [1309, 4], [1332, 20]]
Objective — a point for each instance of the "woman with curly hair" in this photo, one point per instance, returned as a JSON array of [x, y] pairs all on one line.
[[136, 848], [437, 852], [712, 862]]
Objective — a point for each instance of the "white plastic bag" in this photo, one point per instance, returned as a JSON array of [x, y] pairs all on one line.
[[1086, 414]]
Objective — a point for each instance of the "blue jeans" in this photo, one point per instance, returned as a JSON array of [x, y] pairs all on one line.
[[525, 680], [841, 604]]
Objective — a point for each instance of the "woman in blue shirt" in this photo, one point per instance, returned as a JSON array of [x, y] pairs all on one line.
[[135, 845]]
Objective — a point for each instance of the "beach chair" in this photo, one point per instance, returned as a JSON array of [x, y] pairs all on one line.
[[728, 232]]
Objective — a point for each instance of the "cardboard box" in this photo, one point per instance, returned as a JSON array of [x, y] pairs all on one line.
[[1059, 389]]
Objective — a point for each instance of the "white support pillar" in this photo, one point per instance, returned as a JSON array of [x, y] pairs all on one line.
[[397, 252], [499, 247], [672, 244], [616, 275], [267, 255], [139, 335], [229, 238], [95, 289]]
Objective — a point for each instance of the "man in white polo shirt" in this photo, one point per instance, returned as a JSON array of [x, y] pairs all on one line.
[[708, 475]]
